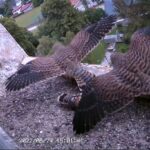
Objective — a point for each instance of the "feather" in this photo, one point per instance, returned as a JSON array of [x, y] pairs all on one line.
[[42, 68], [113, 91]]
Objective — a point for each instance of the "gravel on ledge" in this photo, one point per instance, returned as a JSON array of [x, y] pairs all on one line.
[[33, 118]]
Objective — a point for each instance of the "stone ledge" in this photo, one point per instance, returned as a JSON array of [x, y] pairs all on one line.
[[32, 117]]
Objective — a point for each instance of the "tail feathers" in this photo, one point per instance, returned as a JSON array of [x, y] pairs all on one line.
[[88, 113], [91, 110]]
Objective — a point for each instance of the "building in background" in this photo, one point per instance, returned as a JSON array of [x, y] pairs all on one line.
[[18, 2], [109, 7], [21, 8], [91, 4], [77, 4]]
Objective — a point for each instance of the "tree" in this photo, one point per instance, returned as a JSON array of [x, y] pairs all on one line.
[[137, 11], [8, 8], [44, 47], [61, 17], [37, 3], [94, 15], [29, 36], [21, 35], [1, 10], [67, 39]]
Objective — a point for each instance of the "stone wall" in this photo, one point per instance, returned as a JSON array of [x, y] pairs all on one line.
[[11, 55]]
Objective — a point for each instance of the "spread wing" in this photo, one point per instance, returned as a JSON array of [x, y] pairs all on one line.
[[47, 67], [34, 71], [87, 39], [113, 91]]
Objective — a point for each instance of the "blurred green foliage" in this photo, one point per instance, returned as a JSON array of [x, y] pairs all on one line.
[[26, 40]]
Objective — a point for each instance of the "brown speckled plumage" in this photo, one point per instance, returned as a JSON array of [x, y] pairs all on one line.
[[46, 67], [104, 94]]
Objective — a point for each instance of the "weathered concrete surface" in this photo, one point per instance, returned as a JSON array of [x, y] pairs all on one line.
[[97, 69], [34, 119], [9, 48], [11, 55], [6, 142]]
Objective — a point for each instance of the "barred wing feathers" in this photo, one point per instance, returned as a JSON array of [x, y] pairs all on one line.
[[47, 67], [113, 91]]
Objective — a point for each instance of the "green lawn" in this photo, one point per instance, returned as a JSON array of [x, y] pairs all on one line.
[[32, 16], [113, 31], [29, 18], [97, 55], [122, 47]]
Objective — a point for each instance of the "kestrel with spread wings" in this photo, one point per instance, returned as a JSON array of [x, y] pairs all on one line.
[[46, 67], [108, 93]]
